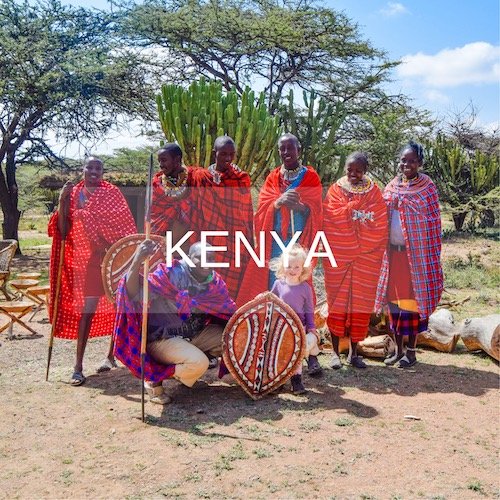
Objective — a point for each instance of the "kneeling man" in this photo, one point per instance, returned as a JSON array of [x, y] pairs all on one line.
[[188, 309]]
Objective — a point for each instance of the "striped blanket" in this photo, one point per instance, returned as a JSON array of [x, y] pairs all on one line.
[[418, 205]]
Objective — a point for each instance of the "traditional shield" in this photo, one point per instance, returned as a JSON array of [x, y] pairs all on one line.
[[263, 344], [119, 257]]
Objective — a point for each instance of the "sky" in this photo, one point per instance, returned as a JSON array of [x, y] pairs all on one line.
[[449, 49]]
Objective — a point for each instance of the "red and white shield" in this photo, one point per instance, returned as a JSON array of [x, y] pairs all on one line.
[[263, 344]]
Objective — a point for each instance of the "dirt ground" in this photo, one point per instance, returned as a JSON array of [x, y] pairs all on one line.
[[347, 438]]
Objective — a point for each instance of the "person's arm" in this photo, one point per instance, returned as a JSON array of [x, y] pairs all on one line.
[[133, 281], [291, 199]]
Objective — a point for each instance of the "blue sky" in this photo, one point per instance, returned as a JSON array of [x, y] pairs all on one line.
[[449, 48]]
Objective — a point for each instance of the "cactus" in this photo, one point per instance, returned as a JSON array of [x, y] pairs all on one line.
[[195, 116], [467, 181]]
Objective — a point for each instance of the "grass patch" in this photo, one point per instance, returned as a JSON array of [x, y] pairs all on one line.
[[475, 486], [470, 273], [225, 460], [344, 422]]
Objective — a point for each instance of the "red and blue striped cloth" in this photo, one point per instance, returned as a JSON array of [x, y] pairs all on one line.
[[418, 205]]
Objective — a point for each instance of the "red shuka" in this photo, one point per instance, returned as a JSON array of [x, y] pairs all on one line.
[[168, 210], [227, 206], [355, 224], [256, 278], [104, 220]]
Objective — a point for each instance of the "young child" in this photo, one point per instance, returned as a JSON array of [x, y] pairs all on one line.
[[291, 286]]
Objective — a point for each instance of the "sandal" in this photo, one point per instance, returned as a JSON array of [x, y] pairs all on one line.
[[392, 360], [77, 379], [106, 365], [157, 394], [313, 367], [356, 361], [406, 362]]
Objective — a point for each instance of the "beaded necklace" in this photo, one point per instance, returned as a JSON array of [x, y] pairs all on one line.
[[291, 175], [364, 186], [175, 187]]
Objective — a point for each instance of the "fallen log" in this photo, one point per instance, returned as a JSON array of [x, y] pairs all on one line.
[[482, 333], [442, 333]]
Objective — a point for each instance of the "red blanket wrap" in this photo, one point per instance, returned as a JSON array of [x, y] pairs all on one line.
[[257, 278], [227, 206], [355, 225], [91, 230], [185, 210]]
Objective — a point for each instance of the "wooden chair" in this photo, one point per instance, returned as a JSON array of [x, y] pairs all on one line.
[[7, 250]]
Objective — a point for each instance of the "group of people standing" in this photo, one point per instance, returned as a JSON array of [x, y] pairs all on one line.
[[386, 246]]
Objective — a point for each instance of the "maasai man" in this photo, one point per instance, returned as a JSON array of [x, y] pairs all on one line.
[[97, 216], [355, 224], [411, 280], [188, 309], [175, 204], [227, 206], [290, 200]]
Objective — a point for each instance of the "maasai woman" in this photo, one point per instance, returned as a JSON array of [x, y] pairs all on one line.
[[176, 203], [227, 206], [355, 224], [289, 201], [96, 215], [411, 279]]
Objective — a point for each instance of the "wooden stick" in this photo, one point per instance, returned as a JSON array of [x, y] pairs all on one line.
[[144, 329], [57, 292], [145, 285], [292, 222]]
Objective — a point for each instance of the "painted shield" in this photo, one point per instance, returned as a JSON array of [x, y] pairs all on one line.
[[119, 257], [263, 344]]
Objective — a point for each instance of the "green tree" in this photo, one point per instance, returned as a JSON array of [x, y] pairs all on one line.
[[276, 44], [64, 70]]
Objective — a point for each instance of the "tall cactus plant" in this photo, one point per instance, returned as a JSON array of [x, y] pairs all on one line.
[[465, 180], [195, 116]]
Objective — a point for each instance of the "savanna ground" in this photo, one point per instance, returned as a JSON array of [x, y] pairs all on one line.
[[346, 438]]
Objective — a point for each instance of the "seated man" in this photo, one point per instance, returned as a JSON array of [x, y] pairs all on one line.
[[188, 309]]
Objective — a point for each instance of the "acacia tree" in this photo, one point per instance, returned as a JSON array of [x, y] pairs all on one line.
[[62, 70], [274, 43]]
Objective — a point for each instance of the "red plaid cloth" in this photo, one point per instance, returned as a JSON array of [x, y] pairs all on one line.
[[420, 216], [104, 220], [257, 279], [166, 210], [227, 206], [355, 225], [215, 301]]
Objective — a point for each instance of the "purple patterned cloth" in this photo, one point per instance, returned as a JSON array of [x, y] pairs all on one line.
[[127, 333]]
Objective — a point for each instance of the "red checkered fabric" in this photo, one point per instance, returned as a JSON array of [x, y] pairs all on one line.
[[418, 206], [166, 210], [355, 225], [227, 206], [104, 220]]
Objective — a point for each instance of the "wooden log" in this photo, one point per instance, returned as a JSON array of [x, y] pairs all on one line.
[[482, 333], [379, 346], [442, 333]]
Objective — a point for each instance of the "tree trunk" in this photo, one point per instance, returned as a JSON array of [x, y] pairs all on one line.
[[459, 219], [482, 333], [9, 198], [442, 333]]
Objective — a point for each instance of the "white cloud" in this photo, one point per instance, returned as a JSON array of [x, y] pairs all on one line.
[[474, 63], [393, 9], [436, 96]]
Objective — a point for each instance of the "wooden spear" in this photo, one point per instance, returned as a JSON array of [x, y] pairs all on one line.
[[145, 286], [60, 265]]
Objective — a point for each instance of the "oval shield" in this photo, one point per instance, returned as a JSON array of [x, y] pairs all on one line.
[[119, 257], [263, 344]]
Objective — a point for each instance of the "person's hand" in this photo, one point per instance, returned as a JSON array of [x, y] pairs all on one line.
[[66, 191], [291, 200], [145, 250]]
